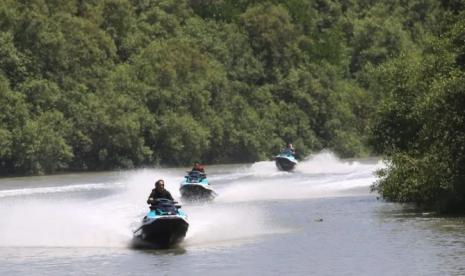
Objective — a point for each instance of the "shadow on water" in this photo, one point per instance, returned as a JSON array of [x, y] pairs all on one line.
[[173, 251], [411, 211]]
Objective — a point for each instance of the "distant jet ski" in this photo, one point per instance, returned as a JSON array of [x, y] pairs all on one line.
[[285, 161], [164, 226], [195, 187]]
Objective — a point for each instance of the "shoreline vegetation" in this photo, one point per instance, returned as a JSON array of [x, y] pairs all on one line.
[[102, 85]]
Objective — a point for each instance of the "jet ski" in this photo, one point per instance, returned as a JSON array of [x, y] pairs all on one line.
[[195, 187], [164, 226], [285, 161]]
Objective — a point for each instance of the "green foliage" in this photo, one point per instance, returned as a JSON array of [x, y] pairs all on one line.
[[271, 33], [120, 23], [40, 145], [41, 95], [13, 114], [376, 39], [12, 62], [427, 138], [181, 139], [397, 122], [87, 85]]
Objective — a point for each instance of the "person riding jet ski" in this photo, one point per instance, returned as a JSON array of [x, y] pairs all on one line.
[[165, 225], [286, 159], [159, 192], [289, 149], [198, 167]]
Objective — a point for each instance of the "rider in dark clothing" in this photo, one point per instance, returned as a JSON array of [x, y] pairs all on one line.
[[159, 192], [198, 167]]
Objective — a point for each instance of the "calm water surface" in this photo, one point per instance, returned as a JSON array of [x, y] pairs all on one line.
[[319, 220]]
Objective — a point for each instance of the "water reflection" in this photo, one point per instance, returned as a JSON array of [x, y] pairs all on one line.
[[427, 236]]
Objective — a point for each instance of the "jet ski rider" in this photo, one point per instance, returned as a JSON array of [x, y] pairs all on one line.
[[159, 192], [198, 167], [289, 149]]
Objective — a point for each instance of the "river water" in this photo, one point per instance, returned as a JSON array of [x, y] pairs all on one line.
[[319, 220]]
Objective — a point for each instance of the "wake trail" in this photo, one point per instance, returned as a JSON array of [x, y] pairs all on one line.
[[107, 210], [321, 175]]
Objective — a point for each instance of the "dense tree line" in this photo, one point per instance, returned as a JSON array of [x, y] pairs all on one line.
[[421, 119], [91, 85]]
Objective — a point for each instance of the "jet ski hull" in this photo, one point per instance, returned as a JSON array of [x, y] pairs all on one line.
[[161, 232], [196, 192], [195, 187], [285, 163], [164, 226]]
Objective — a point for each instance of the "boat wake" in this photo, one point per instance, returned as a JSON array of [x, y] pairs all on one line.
[[321, 175], [88, 213]]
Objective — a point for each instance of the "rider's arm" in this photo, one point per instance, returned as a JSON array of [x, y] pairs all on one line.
[[151, 198]]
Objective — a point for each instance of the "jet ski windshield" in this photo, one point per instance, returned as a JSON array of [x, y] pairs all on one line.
[[195, 176]]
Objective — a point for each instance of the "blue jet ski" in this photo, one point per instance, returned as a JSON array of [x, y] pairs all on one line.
[[164, 226], [285, 161], [195, 187]]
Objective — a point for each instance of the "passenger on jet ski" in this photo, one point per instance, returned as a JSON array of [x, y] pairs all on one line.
[[159, 192], [289, 149], [199, 168]]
